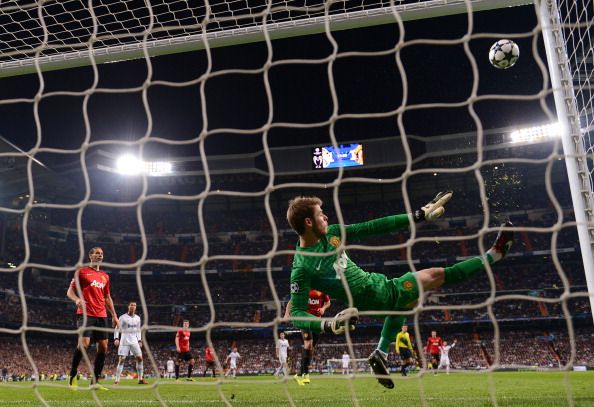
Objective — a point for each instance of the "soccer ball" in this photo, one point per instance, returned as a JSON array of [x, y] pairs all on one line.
[[504, 54]]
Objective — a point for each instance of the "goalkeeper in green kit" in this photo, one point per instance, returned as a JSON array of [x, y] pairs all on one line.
[[336, 274]]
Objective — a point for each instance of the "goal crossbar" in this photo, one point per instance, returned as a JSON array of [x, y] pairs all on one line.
[[14, 62]]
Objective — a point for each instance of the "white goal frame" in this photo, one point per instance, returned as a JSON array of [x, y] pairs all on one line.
[[137, 46], [572, 136]]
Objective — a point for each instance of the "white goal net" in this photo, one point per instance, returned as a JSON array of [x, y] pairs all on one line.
[[173, 133]]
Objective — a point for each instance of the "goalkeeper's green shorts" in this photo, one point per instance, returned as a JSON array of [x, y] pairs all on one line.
[[406, 290]]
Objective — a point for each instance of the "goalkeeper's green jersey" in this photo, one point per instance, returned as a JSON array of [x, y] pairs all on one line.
[[370, 291]]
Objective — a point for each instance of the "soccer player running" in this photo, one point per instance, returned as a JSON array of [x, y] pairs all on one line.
[[130, 343], [317, 304], [182, 347], [334, 273], [94, 302], [282, 348], [434, 343], [232, 359], [404, 349], [444, 360], [209, 356]]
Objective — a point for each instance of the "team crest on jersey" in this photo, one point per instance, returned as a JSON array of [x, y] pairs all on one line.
[[407, 285], [294, 288], [334, 241]]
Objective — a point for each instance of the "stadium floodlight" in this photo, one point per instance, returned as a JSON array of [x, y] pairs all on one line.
[[130, 165], [536, 134]]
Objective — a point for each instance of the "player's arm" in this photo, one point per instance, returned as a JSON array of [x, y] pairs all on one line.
[[288, 311], [300, 286], [116, 336], [177, 348], [429, 212], [139, 336], [72, 293], [114, 317], [398, 339], [327, 304]]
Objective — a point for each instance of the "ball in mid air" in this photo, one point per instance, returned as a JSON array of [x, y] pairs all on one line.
[[504, 54]]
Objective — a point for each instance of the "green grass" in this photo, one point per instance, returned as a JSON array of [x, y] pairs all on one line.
[[458, 389]]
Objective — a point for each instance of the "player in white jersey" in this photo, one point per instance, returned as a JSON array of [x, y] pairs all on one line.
[[282, 347], [444, 359], [130, 343], [233, 356], [346, 363], [170, 369]]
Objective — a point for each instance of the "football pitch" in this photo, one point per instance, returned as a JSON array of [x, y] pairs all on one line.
[[457, 389]]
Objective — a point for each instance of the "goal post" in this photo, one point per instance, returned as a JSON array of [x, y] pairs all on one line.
[[576, 121], [92, 42]]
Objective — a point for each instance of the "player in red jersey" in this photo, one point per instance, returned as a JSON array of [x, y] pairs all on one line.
[[93, 286], [182, 346], [209, 356], [434, 344], [317, 304]]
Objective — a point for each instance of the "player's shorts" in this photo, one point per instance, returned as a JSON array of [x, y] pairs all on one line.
[[93, 322], [436, 356], [310, 336], [185, 356], [127, 350], [405, 353], [407, 290], [282, 358], [210, 365], [232, 365]]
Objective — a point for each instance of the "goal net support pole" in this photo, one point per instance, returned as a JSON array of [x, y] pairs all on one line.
[[571, 135]]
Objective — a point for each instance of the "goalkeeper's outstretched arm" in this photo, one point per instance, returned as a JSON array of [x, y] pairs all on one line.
[[429, 212]]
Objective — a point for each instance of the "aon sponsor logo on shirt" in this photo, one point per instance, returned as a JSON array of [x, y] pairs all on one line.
[[97, 284]]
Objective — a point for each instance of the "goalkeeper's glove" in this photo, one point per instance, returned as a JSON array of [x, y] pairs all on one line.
[[338, 324], [434, 209]]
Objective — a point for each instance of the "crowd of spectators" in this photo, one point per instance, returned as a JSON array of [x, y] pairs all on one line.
[[516, 349]]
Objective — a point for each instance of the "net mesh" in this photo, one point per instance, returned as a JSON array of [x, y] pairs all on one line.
[[43, 29]]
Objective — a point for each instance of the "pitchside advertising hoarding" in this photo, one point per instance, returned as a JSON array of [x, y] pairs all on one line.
[[350, 155]]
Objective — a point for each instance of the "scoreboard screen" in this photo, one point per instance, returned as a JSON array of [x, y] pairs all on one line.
[[350, 155]]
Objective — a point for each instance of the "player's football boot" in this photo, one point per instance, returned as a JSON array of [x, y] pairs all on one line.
[[504, 240], [98, 386], [298, 380], [116, 382], [73, 384], [142, 381], [379, 365], [305, 378]]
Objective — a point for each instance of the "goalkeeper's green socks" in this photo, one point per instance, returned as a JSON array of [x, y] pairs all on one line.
[[466, 269]]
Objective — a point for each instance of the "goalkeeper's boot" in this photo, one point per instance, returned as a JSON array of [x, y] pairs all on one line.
[[298, 380], [379, 365], [73, 383], [305, 378], [502, 243], [98, 386]]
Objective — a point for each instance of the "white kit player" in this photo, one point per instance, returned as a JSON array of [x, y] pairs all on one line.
[[282, 348], [170, 369], [130, 342], [232, 358], [444, 359], [346, 363]]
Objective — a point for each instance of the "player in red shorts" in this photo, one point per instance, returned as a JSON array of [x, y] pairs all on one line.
[[209, 356], [182, 346], [434, 344], [95, 300], [317, 304]]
